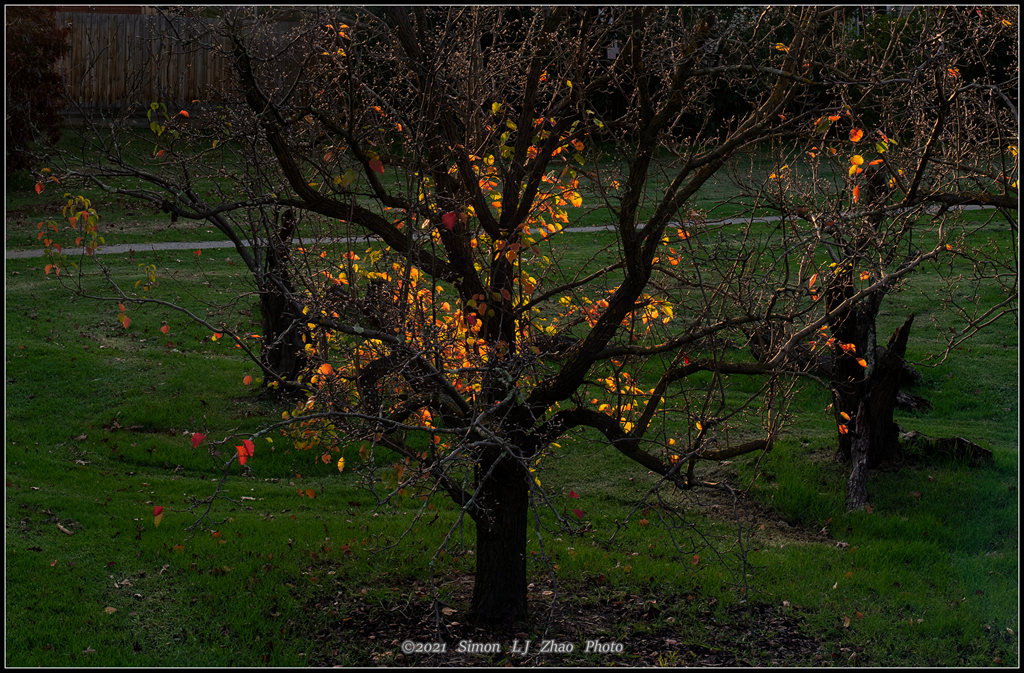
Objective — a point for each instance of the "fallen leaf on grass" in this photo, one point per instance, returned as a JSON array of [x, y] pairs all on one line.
[[110, 610], [64, 530], [846, 621]]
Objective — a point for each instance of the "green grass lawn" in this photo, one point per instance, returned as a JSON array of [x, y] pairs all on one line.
[[99, 420]]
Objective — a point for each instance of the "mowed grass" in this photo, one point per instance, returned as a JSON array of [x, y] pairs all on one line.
[[99, 420]]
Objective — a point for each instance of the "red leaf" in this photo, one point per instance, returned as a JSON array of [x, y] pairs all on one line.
[[197, 439], [246, 380], [158, 510], [376, 166], [39, 188], [448, 219], [245, 451], [578, 513], [574, 494], [184, 113], [165, 328]]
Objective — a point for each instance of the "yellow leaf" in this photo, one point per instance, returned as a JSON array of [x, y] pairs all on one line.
[[341, 464], [699, 426]]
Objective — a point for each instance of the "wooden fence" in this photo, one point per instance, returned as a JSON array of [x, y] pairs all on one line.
[[126, 61]]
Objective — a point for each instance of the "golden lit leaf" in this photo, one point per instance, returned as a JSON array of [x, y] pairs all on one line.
[[843, 430], [856, 194], [699, 426], [856, 160], [862, 362], [845, 416], [341, 464]]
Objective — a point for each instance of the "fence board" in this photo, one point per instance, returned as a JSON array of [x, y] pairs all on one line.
[[123, 61]]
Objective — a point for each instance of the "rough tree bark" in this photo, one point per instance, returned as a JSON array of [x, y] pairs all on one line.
[[499, 592], [282, 351]]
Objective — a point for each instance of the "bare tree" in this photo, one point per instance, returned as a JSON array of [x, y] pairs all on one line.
[[459, 339], [922, 122]]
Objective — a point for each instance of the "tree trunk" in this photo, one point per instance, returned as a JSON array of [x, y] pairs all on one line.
[[857, 486], [876, 385], [499, 592], [282, 350]]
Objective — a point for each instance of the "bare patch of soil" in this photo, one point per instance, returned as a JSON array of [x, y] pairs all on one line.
[[632, 630]]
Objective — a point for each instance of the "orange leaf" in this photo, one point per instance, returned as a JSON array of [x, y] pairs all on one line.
[[184, 113], [246, 380], [862, 362], [165, 328], [326, 369], [310, 493], [39, 188], [856, 194], [843, 429], [856, 134], [813, 280]]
